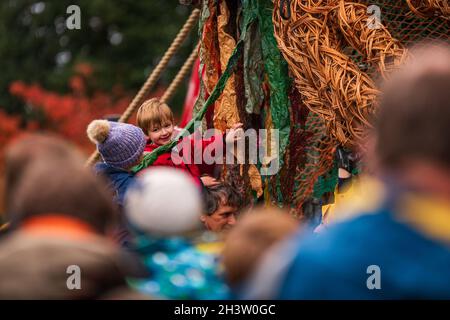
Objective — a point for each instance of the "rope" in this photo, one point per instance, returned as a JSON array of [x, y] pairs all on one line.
[[187, 66], [154, 76]]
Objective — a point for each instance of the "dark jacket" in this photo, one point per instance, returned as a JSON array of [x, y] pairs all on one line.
[[119, 179]]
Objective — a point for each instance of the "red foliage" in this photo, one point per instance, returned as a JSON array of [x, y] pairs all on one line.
[[77, 84], [65, 114]]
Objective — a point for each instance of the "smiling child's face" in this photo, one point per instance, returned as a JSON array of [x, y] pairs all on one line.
[[161, 135]]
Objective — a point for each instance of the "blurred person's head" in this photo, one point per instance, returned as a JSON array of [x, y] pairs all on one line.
[[120, 145], [164, 202], [54, 182], [255, 234], [221, 203], [156, 119], [23, 151], [411, 130]]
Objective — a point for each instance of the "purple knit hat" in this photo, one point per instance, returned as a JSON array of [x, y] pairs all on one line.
[[120, 144]]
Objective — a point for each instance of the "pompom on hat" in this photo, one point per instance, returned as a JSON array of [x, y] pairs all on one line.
[[120, 144], [164, 202]]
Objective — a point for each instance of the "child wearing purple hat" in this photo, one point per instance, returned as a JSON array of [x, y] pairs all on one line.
[[121, 146]]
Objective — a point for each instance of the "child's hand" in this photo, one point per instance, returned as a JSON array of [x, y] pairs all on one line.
[[235, 133], [209, 181]]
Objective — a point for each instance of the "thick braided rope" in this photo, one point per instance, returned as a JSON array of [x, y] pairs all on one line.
[[154, 76], [185, 69], [430, 8], [182, 34]]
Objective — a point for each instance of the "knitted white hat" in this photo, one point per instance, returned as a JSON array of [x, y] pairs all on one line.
[[164, 201]]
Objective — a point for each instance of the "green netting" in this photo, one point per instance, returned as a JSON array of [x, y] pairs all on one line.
[[404, 26], [327, 182], [408, 28]]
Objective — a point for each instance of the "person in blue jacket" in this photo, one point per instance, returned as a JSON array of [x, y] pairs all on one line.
[[121, 147]]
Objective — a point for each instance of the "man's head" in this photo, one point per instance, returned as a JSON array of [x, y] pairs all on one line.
[[156, 119], [221, 204], [411, 130]]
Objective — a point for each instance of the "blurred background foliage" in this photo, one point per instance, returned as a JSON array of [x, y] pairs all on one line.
[[86, 73]]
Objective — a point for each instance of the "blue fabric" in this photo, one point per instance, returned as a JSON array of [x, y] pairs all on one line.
[[120, 180], [334, 264], [179, 270]]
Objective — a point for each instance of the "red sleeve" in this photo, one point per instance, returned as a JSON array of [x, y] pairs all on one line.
[[196, 141]]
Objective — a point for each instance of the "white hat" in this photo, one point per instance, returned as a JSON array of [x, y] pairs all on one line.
[[164, 201]]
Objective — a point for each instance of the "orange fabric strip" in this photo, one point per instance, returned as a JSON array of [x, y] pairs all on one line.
[[58, 225]]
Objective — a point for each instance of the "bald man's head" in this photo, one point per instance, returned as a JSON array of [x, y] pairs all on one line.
[[413, 122]]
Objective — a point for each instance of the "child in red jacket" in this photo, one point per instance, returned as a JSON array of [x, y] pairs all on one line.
[[155, 118]]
